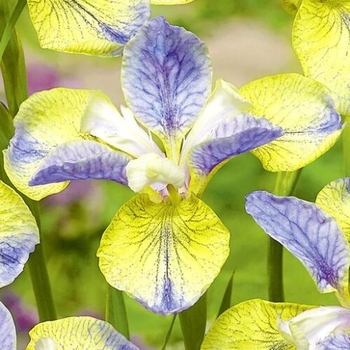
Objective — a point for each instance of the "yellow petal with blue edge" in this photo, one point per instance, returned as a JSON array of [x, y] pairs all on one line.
[[162, 254], [7, 329], [252, 324], [334, 198], [321, 35], [46, 121], [78, 333], [94, 27], [18, 234], [304, 109]]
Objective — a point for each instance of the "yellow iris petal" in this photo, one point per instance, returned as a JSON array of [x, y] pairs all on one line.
[[96, 27], [164, 255], [305, 111], [251, 325], [45, 121], [79, 333], [321, 38], [334, 198]]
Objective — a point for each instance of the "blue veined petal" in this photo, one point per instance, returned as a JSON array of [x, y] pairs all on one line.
[[45, 121], [232, 137], [7, 329], [308, 232], [18, 234], [164, 255], [166, 76], [81, 159], [336, 341], [96, 27]]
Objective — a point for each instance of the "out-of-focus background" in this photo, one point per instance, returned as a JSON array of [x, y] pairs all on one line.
[[247, 40]]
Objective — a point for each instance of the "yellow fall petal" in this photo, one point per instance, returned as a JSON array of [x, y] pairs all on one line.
[[45, 121], [252, 325], [78, 333], [96, 27], [18, 234], [321, 37], [164, 255], [305, 111], [334, 198]]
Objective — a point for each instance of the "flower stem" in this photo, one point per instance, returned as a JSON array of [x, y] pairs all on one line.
[[284, 186], [346, 153], [116, 312], [193, 321], [40, 276]]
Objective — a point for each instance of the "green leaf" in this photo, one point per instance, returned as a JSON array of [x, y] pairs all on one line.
[[10, 25], [226, 300], [193, 321], [116, 311]]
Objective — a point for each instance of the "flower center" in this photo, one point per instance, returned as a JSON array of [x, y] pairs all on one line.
[[154, 170]]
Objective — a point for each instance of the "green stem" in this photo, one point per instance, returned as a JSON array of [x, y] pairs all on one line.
[[167, 337], [39, 275], [193, 322], [346, 146], [116, 311], [284, 186]]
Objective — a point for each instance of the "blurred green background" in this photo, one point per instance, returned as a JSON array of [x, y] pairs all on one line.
[[71, 231]]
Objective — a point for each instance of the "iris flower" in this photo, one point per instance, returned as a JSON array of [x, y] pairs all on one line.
[[165, 246], [18, 236], [318, 235], [94, 27]]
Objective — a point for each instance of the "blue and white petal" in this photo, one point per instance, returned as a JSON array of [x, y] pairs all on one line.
[[166, 78], [313, 327], [233, 136], [309, 233], [82, 159], [118, 130], [18, 234], [7, 329]]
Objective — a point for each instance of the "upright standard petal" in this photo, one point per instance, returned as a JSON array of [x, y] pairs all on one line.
[[304, 109], [321, 35], [18, 234], [251, 325], [334, 198], [7, 329], [78, 333], [164, 255], [308, 232], [233, 136], [95, 27], [46, 121], [166, 77]]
